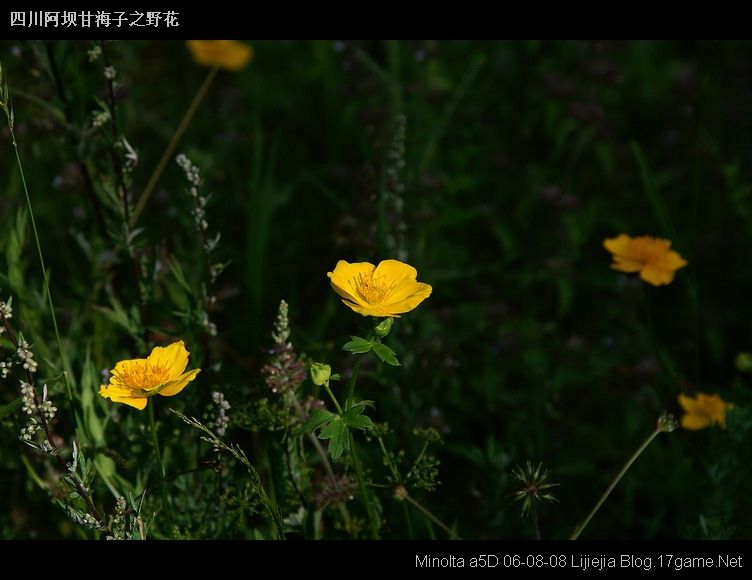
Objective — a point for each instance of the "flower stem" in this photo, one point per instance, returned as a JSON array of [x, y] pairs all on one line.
[[534, 515], [362, 490], [184, 123], [433, 518], [615, 482], [353, 380], [333, 398], [322, 455], [157, 454], [365, 497], [45, 277]]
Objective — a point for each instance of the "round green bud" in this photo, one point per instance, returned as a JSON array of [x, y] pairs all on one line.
[[383, 327], [320, 373]]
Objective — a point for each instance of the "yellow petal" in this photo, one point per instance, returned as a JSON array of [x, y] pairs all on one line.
[[401, 276], [343, 279], [120, 395], [675, 261], [395, 270], [369, 310], [695, 422], [624, 265], [617, 245], [173, 358], [227, 54], [127, 366], [689, 404], [174, 387], [344, 272], [420, 293], [236, 56], [656, 276]]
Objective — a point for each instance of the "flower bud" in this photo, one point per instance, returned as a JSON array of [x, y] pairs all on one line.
[[383, 327], [667, 423], [320, 373]]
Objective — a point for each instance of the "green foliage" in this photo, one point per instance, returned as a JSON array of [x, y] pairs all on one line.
[[357, 345], [497, 169]]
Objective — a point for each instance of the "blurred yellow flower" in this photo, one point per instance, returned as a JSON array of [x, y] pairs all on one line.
[[703, 411], [227, 54], [652, 257], [162, 373], [386, 290]]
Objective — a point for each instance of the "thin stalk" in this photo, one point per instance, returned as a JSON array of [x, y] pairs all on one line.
[[63, 359], [363, 491], [322, 455], [353, 380], [408, 521], [67, 118], [615, 482], [388, 459], [333, 398], [534, 516], [452, 534], [114, 157], [417, 459], [157, 454], [397, 478], [167, 155]]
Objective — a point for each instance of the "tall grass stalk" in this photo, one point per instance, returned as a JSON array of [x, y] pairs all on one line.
[[7, 107], [172, 145]]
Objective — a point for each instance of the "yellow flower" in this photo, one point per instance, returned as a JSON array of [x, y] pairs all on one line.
[[703, 411], [652, 257], [386, 290], [227, 54], [162, 373]]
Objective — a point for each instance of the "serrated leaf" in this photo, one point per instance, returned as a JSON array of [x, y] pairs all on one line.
[[355, 418], [357, 421], [318, 418], [385, 353], [364, 403], [358, 345], [337, 434]]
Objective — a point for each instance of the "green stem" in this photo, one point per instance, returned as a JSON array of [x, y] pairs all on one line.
[[614, 483], [167, 155], [353, 380], [397, 478], [408, 521], [364, 495], [433, 518], [63, 360], [363, 491], [157, 454], [417, 459], [322, 455], [534, 515], [388, 459], [333, 398]]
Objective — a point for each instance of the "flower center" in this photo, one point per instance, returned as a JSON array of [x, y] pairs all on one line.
[[651, 251], [144, 375], [373, 289]]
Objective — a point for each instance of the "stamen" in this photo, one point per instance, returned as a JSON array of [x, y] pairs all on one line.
[[373, 289]]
